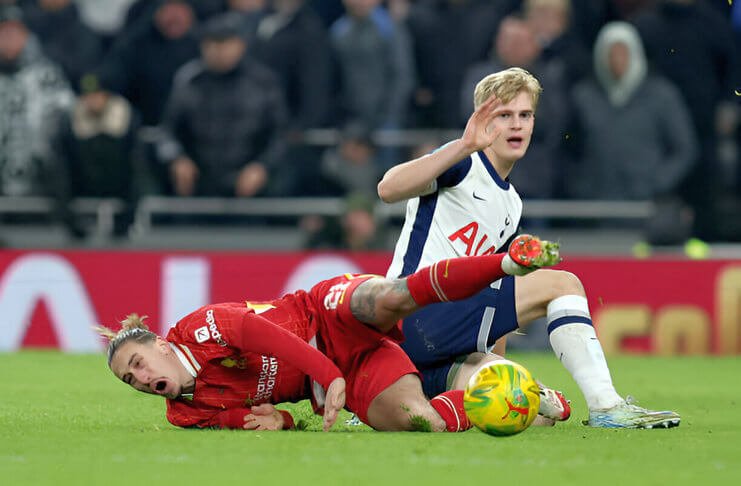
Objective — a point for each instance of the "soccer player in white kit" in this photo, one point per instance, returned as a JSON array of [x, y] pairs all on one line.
[[462, 204]]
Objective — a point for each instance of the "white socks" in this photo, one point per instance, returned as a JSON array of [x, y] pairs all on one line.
[[575, 343]]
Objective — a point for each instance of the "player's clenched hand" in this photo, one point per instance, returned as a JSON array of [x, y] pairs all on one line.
[[263, 417], [335, 401], [479, 132]]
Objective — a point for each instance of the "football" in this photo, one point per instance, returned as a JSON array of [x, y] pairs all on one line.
[[502, 398]]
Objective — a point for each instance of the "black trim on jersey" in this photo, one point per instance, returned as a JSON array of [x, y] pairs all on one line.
[[504, 184], [420, 232], [454, 175], [425, 212]]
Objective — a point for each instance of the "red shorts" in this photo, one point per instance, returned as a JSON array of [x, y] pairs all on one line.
[[370, 360]]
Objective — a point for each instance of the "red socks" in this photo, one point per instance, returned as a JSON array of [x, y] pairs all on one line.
[[454, 279], [450, 407]]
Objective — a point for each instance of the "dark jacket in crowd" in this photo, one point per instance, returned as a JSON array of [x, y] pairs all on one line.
[[448, 37], [224, 122], [98, 151], [66, 40], [297, 49], [141, 11], [376, 68], [692, 44], [142, 65]]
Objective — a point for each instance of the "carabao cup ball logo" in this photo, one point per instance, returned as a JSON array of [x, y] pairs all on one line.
[[502, 398]]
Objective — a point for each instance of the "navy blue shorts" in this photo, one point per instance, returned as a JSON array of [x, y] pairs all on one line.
[[438, 334]]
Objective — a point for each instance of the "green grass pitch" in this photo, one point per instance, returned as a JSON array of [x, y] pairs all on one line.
[[64, 419]]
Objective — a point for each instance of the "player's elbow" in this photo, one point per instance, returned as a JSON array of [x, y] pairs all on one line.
[[387, 193], [395, 302]]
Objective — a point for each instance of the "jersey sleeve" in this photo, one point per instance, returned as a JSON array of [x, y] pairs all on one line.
[[258, 335], [189, 416], [240, 328], [232, 418]]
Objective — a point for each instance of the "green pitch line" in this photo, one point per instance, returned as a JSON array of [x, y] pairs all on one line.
[[65, 420]]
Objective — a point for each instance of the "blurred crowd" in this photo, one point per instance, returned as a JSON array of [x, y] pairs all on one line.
[[124, 98]]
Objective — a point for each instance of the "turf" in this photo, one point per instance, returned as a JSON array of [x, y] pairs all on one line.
[[65, 420]]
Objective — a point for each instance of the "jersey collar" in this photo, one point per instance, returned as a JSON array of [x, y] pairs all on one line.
[[503, 183], [184, 360]]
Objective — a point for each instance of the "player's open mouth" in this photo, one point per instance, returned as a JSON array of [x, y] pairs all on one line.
[[160, 386], [514, 142]]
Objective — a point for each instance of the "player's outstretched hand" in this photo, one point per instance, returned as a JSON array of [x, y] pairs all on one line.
[[479, 132], [263, 417], [334, 403]]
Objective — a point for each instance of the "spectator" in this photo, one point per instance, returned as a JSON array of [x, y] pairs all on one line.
[[107, 18], [65, 39], [143, 62], [96, 145], [34, 94], [550, 22], [225, 119], [141, 11], [515, 45], [352, 166], [355, 230], [252, 11], [292, 41], [628, 9], [636, 137], [328, 10], [375, 64], [588, 16], [692, 44], [448, 37]]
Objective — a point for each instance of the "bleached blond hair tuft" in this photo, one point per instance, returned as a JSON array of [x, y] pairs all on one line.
[[132, 328]]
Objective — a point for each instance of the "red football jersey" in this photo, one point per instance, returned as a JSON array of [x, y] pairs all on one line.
[[245, 354]]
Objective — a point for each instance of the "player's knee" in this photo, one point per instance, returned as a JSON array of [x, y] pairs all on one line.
[[403, 407], [418, 416], [424, 418], [473, 362], [566, 283]]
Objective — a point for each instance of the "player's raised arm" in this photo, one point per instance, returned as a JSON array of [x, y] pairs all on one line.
[[415, 177]]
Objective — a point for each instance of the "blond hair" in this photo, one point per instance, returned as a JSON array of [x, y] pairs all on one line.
[[506, 85], [132, 329]]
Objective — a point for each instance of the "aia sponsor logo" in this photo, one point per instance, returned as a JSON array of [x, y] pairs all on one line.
[[475, 244], [476, 240]]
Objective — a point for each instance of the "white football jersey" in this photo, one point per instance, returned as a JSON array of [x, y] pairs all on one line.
[[468, 210]]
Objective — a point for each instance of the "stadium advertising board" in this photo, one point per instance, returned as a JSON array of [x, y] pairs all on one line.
[[51, 299]]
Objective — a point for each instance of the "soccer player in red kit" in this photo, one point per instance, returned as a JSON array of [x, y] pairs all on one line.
[[225, 365]]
